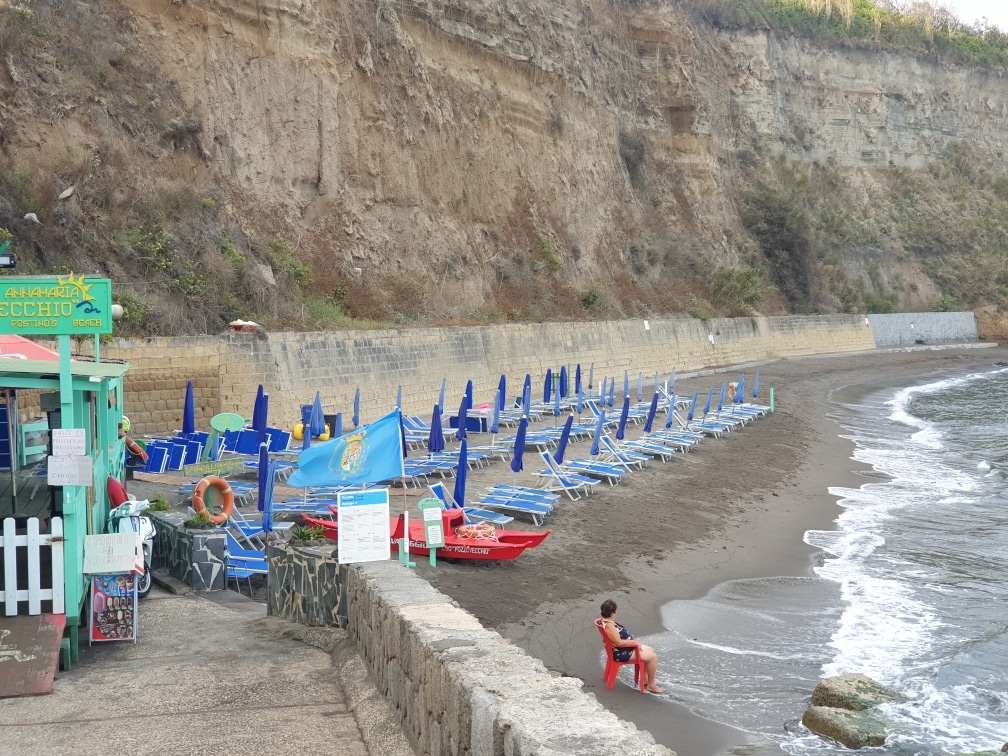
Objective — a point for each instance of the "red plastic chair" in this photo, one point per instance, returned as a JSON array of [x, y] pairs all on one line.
[[612, 666]]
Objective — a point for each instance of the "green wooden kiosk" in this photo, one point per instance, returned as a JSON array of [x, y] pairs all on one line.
[[73, 394]]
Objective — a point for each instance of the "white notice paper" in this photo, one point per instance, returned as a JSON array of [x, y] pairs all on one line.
[[68, 442], [364, 527]]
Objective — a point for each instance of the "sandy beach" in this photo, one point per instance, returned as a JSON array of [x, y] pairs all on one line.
[[736, 507]]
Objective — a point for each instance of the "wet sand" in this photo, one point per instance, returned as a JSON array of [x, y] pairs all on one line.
[[736, 507]]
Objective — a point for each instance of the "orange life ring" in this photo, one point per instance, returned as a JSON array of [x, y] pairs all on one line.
[[136, 449], [200, 506], [476, 530]]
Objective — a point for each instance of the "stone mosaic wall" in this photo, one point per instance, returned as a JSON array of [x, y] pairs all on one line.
[[306, 585], [195, 557]]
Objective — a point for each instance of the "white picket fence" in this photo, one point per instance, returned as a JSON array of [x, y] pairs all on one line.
[[38, 547]]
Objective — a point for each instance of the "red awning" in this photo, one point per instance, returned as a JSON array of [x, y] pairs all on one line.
[[19, 348]]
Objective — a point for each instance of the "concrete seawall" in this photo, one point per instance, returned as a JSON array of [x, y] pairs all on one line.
[[923, 328], [226, 370]]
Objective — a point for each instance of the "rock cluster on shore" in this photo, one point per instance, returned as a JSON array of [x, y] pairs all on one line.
[[842, 710]]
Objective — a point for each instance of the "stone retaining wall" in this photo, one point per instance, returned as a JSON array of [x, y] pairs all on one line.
[[226, 370], [460, 688], [196, 557]]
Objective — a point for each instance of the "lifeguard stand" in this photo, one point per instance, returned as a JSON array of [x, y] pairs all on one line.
[[83, 401]]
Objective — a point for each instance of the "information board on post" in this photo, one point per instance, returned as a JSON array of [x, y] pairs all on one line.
[[113, 560], [70, 471], [364, 528], [68, 442]]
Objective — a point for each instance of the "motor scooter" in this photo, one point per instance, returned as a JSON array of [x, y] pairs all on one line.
[[126, 518]]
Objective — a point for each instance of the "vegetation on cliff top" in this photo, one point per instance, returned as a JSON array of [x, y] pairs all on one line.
[[918, 26]]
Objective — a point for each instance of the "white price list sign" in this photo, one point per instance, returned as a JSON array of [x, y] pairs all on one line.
[[68, 442], [70, 471], [364, 527]]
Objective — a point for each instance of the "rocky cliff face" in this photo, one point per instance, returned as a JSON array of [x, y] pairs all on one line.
[[478, 149], [861, 109]]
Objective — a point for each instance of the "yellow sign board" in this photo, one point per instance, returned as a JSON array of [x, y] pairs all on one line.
[[220, 467]]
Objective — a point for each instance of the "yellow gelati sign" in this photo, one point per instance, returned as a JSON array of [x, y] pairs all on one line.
[[55, 305]]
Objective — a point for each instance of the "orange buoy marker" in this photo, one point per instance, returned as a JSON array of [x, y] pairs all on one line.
[[200, 506]]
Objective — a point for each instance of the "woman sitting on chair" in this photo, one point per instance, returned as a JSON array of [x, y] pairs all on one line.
[[620, 636]]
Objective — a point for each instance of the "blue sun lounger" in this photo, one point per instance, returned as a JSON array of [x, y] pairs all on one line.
[[474, 514]]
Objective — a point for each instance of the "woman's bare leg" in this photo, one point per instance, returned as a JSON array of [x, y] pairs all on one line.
[[651, 661]]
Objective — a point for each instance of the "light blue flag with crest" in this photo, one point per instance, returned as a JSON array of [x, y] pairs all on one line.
[[367, 455]]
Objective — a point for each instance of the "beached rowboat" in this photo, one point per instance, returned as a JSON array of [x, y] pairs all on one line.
[[505, 544]]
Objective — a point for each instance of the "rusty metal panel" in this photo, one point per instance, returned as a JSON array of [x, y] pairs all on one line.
[[29, 653]]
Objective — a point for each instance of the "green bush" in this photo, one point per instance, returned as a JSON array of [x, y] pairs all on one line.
[[281, 259], [737, 292], [780, 225], [947, 303]]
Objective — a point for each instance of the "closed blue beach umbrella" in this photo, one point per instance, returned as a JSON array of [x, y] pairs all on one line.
[[621, 428], [720, 404], [188, 412], [612, 392], [255, 406], [337, 429], [580, 404], [356, 408], [502, 389], [652, 410], [556, 405], [460, 475], [460, 433], [548, 386], [558, 455], [495, 422], [602, 391], [444, 387], [591, 375], [317, 417], [527, 400], [519, 447], [265, 491], [710, 398], [577, 381], [692, 407], [740, 391], [562, 385], [755, 385], [597, 438], [435, 439], [469, 394]]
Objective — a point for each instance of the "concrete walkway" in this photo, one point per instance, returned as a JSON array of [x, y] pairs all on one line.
[[209, 674]]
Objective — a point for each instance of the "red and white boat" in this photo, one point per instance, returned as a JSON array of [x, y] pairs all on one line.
[[462, 540]]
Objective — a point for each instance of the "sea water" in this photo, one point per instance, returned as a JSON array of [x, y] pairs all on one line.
[[912, 587]]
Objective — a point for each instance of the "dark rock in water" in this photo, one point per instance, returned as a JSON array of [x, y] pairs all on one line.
[[853, 692], [853, 729], [792, 725]]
